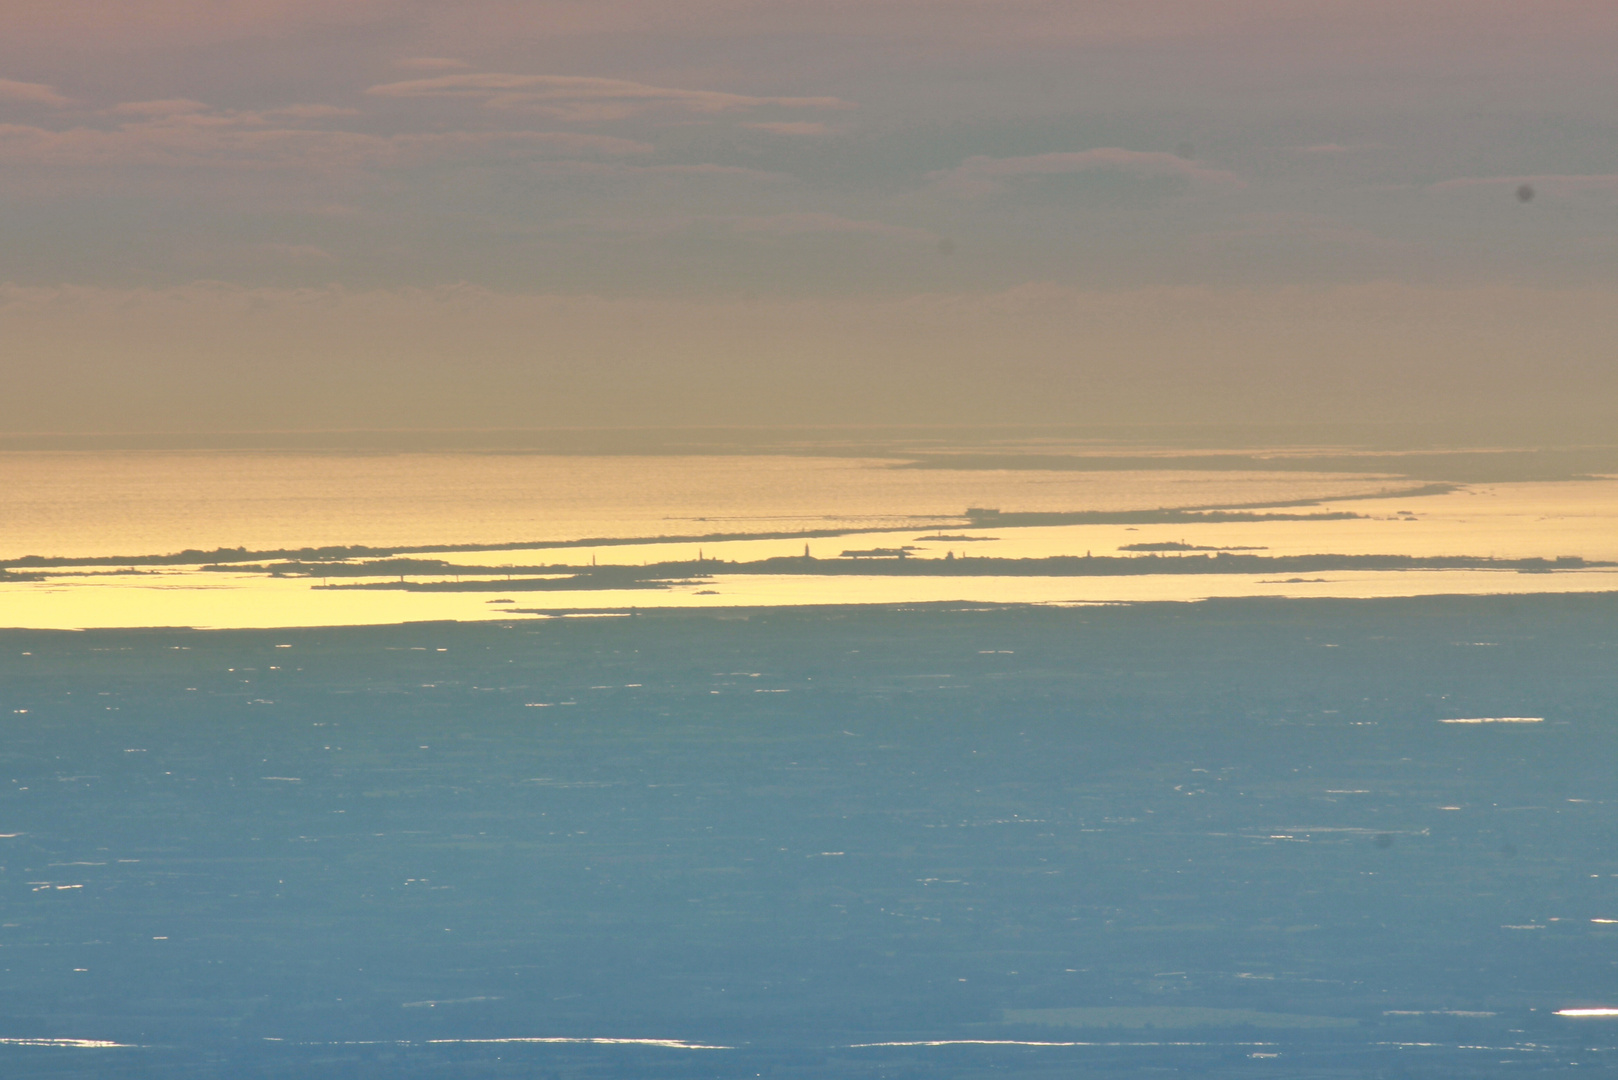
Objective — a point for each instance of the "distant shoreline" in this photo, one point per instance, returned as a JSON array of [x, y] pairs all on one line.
[[690, 572], [1255, 607], [983, 519]]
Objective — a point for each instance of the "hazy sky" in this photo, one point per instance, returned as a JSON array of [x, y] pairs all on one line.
[[245, 214]]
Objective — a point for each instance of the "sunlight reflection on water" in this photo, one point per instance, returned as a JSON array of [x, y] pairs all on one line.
[[143, 503], [249, 601], [139, 504]]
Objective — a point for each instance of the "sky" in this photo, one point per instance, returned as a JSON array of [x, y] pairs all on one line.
[[246, 215]]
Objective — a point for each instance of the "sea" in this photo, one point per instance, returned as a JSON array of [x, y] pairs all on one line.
[[1221, 825]]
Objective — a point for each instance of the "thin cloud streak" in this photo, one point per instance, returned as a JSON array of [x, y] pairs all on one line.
[[163, 107], [587, 98], [32, 94], [185, 138], [983, 175]]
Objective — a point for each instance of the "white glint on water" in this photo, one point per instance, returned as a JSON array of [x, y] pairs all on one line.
[[1033, 1042], [1496, 720], [81, 1044], [667, 1044], [1591, 1012]]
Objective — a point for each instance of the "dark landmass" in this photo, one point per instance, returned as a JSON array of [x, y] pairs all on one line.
[[898, 563], [1177, 835], [604, 578], [379, 567], [193, 557], [1180, 545]]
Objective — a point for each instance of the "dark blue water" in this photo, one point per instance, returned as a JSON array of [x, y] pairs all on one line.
[[379, 852]]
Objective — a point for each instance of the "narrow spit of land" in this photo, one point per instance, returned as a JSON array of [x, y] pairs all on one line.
[[972, 518], [448, 577]]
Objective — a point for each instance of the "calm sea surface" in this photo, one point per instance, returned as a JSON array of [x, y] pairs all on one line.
[[147, 503], [1232, 840]]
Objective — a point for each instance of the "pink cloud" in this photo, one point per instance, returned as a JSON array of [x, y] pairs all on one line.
[[238, 140], [987, 175], [577, 97], [32, 94], [574, 167], [309, 112], [178, 107]]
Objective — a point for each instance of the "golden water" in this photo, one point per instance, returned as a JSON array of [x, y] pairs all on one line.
[[100, 504], [92, 504]]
